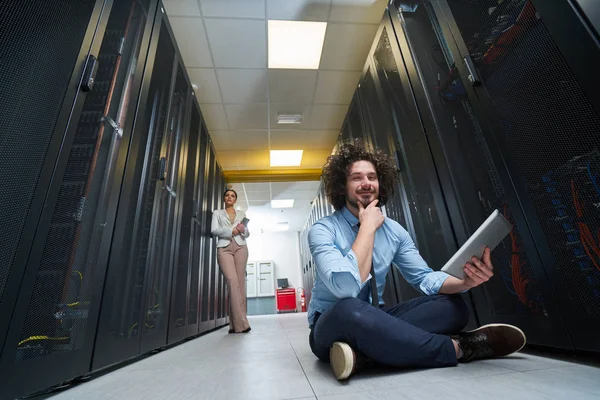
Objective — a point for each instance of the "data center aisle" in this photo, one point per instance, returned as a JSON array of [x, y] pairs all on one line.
[[274, 362]]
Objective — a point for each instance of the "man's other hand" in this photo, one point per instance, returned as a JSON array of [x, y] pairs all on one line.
[[479, 271]]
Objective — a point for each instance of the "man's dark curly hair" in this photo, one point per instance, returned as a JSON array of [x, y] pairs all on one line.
[[336, 169]]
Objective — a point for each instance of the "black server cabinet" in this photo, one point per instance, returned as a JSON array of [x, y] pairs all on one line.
[[204, 231], [221, 315], [164, 217], [195, 220], [33, 126], [474, 181], [124, 311], [216, 204], [548, 135], [468, 174], [183, 209], [208, 273], [55, 318]]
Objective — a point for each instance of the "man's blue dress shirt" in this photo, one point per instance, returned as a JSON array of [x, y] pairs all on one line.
[[331, 239]]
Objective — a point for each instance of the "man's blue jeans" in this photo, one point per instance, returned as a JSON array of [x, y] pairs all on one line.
[[409, 334]]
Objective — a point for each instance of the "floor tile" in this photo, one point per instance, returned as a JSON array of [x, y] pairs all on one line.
[[528, 362], [274, 362]]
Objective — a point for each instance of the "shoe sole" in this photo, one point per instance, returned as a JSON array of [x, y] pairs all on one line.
[[506, 326], [342, 360]]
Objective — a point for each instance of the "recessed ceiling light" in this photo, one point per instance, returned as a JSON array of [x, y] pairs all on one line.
[[295, 44], [282, 203], [286, 158], [289, 118]]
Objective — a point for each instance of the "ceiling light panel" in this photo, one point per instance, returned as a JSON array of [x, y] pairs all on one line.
[[295, 44], [286, 158], [288, 203]]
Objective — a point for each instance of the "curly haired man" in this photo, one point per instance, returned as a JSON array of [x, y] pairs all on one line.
[[353, 250]]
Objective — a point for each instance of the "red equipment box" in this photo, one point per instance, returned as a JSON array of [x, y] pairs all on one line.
[[286, 300]]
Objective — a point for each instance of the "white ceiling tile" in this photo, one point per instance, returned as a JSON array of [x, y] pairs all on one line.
[[215, 118], [258, 196], [303, 139], [250, 140], [237, 43], [284, 140], [329, 117], [208, 88], [228, 159], [243, 85], [190, 37], [299, 10], [305, 194], [292, 85], [370, 11], [257, 186], [233, 8], [294, 186], [346, 46], [186, 8], [221, 140], [315, 158], [336, 87], [303, 109], [321, 140], [247, 116], [258, 203]]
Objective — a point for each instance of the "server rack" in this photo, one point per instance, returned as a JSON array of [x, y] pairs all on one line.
[[208, 273], [474, 184], [104, 208], [38, 129], [470, 142], [198, 248], [181, 278], [123, 309], [547, 140], [55, 315]]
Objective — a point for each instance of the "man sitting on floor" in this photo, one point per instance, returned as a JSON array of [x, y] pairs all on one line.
[[353, 249]]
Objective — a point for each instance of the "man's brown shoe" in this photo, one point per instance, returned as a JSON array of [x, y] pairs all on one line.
[[490, 341]]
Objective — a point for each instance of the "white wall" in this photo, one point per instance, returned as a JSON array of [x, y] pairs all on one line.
[[282, 248]]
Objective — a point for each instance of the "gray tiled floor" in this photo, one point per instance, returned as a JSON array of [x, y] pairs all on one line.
[[274, 362]]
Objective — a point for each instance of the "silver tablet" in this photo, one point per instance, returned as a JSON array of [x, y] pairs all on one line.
[[489, 234]]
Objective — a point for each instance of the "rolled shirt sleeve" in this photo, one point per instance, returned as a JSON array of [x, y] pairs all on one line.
[[414, 269], [338, 272]]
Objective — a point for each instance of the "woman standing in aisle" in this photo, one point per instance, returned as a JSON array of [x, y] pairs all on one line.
[[232, 257]]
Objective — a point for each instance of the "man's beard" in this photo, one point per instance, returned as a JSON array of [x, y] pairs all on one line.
[[365, 200]]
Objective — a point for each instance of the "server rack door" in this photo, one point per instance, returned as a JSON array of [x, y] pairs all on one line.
[[34, 126], [162, 239], [178, 243], [548, 136], [427, 215], [223, 311], [223, 280], [209, 272], [216, 205], [205, 235], [219, 276], [196, 241], [123, 305], [57, 327], [474, 180], [382, 126]]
